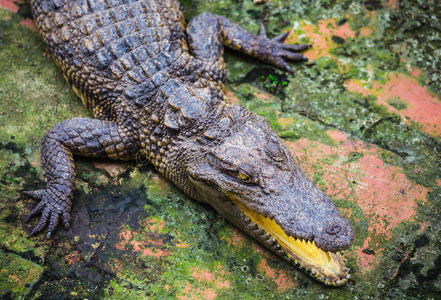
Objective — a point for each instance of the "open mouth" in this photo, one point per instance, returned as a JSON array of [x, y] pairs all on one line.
[[325, 266]]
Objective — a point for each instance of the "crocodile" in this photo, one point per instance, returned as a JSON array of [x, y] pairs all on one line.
[[155, 88]]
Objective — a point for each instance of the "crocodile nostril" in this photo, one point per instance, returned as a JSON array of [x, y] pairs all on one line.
[[333, 229]]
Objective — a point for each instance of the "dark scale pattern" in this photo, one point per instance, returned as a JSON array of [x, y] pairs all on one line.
[[155, 89]]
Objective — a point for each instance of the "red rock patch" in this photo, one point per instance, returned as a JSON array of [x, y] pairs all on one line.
[[236, 239], [279, 277], [392, 3], [73, 258], [320, 36], [114, 169], [146, 243], [422, 106], [9, 5], [211, 282], [29, 23]]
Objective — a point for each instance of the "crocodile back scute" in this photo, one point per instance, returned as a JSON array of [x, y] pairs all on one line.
[[107, 48]]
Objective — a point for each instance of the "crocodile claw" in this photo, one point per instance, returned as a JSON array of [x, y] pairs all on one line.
[[52, 207], [262, 31], [280, 52], [281, 38]]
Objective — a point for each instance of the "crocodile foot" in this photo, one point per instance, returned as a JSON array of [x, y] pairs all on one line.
[[280, 53], [53, 206]]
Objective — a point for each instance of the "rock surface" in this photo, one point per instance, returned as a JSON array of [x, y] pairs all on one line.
[[363, 119]]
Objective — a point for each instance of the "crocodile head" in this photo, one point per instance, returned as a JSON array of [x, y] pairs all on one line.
[[246, 173]]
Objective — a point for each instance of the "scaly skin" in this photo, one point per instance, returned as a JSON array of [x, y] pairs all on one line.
[[155, 88]]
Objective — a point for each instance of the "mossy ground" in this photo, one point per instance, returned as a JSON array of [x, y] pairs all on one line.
[[362, 118]]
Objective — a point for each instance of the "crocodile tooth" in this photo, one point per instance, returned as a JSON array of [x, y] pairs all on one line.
[[265, 236], [252, 226]]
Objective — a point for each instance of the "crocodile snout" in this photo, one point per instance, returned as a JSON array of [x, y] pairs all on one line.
[[337, 235]]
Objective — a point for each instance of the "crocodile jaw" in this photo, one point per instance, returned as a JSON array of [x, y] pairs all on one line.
[[326, 267]]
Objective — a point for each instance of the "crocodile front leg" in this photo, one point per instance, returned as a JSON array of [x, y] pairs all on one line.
[[207, 33], [79, 136]]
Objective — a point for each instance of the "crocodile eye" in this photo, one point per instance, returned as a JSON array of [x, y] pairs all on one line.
[[243, 177]]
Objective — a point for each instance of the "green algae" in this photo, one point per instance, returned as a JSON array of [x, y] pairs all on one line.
[[416, 27], [415, 255], [17, 275], [33, 97], [33, 93], [13, 240]]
